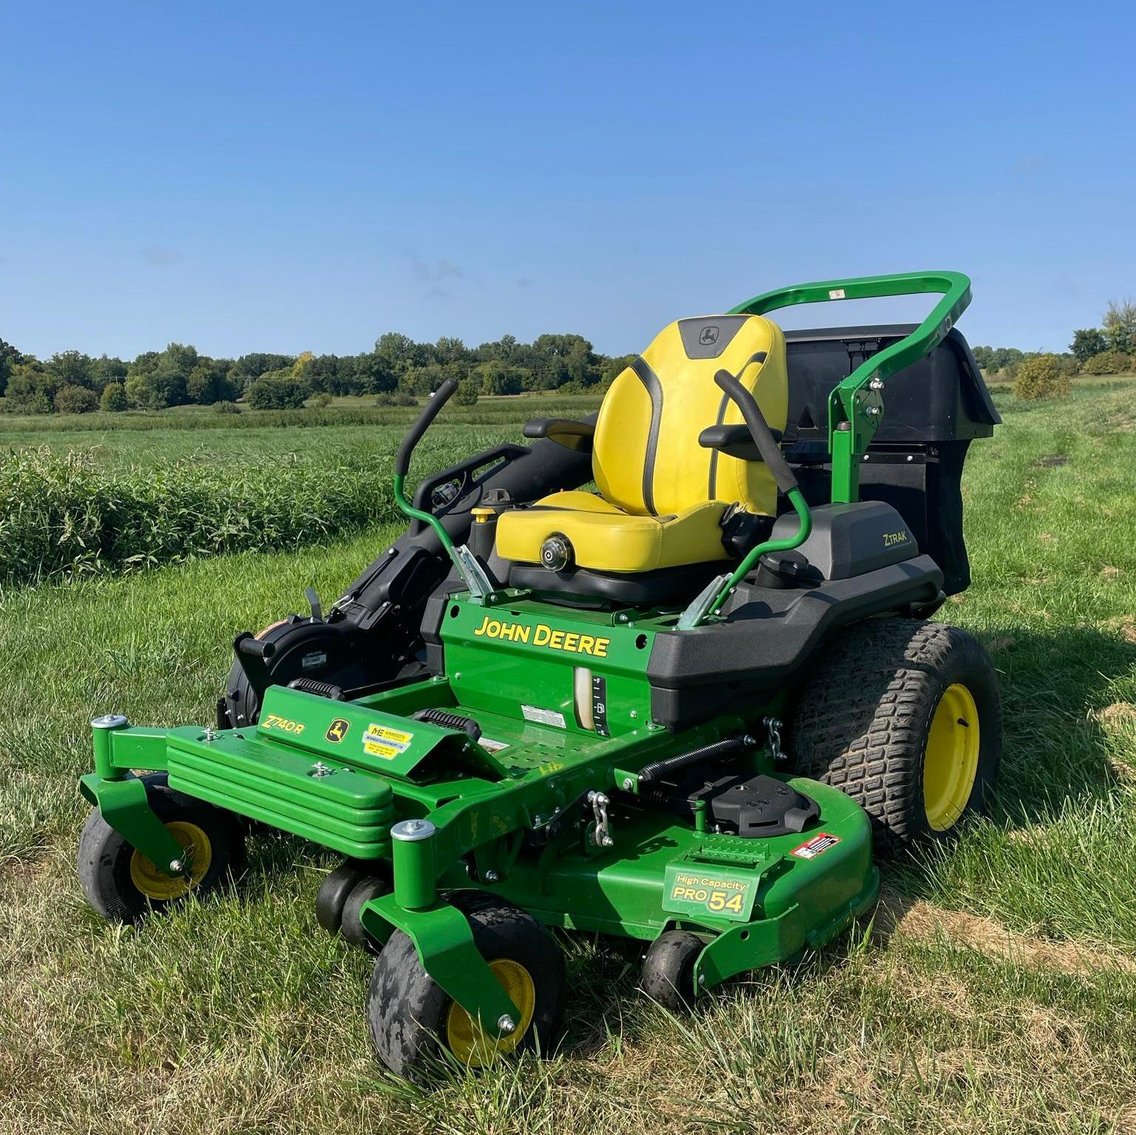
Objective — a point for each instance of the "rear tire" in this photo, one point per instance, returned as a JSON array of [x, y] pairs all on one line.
[[904, 717]]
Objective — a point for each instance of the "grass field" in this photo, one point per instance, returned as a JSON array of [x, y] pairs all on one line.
[[994, 991]]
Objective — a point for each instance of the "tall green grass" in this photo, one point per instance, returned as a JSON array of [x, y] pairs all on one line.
[[67, 515], [165, 488]]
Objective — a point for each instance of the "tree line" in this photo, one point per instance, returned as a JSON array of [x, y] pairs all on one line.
[[1107, 349], [397, 369]]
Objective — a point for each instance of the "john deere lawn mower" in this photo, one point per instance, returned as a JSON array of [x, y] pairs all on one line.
[[681, 706]]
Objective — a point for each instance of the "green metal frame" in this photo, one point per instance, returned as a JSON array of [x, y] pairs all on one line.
[[855, 407]]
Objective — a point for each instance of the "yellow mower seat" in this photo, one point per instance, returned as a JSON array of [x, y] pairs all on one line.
[[662, 495]]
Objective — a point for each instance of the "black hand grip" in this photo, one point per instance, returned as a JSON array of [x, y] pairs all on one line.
[[248, 644], [762, 436], [414, 435], [571, 435]]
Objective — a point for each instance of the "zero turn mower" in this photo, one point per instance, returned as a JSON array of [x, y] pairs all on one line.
[[680, 708]]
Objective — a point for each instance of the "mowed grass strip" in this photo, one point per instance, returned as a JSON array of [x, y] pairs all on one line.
[[238, 1014]]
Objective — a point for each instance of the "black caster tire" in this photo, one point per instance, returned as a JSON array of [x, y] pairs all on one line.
[[415, 1026], [905, 717], [351, 925], [333, 893], [667, 977], [123, 885]]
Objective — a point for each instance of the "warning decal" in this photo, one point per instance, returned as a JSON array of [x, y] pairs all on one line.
[[818, 845], [382, 741]]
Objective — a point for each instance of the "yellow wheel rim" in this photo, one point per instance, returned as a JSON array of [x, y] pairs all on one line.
[[468, 1042], [951, 763], [155, 884]]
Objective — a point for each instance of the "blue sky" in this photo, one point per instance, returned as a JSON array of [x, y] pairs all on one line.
[[284, 176]]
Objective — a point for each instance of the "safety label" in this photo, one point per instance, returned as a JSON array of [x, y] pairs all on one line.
[[543, 716], [382, 741], [818, 845], [491, 746]]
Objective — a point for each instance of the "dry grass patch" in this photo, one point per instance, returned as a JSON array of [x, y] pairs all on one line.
[[925, 922]]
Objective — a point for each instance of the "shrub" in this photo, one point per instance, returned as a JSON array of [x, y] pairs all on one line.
[[277, 390], [1041, 376], [321, 401], [1108, 362], [76, 400], [114, 399], [396, 398], [226, 408], [467, 392]]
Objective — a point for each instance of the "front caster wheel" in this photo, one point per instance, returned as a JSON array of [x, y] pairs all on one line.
[[123, 885], [414, 1022], [668, 970]]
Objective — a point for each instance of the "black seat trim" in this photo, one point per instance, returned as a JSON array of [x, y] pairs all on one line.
[[654, 388], [581, 587]]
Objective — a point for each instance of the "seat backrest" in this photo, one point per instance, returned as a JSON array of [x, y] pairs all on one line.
[[647, 459]]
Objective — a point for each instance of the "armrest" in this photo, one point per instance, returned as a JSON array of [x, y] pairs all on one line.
[[572, 435], [733, 441]]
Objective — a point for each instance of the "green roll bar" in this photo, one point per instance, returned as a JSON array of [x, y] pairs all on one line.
[[855, 407]]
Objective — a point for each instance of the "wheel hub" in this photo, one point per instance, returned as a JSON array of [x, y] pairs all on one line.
[[951, 762]]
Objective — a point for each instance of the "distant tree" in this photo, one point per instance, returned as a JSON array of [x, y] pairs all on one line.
[[114, 400], [1041, 376], [209, 381], [257, 363], [106, 369], [449, 350], [372, 374], [156, 380], [31, 388], [400, 352], [612, 368], [76, 400], [1120, 325], [1088, 341], [73, 368], [323, 375], [277, 390], [503, 350], [9, 357], [497, 377], [427, 379]]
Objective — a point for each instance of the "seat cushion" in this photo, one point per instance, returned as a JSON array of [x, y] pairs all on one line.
[[605, 538]]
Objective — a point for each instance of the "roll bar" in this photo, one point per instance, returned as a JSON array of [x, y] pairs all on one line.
[[855, 407]]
